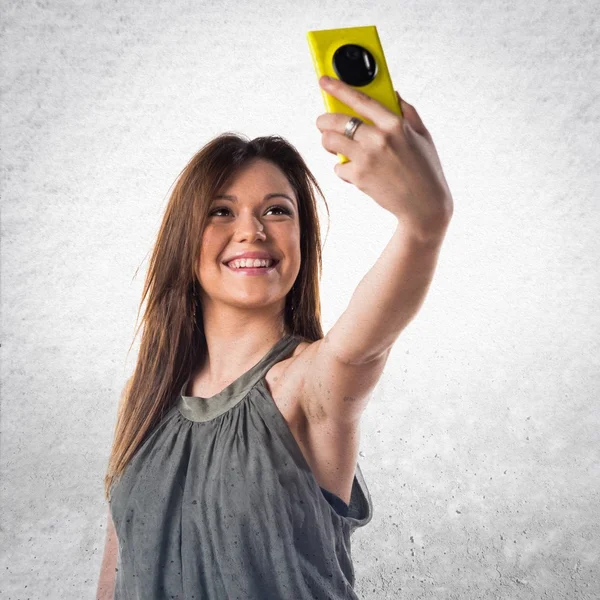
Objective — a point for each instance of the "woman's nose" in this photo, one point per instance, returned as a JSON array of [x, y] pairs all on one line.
[[250, 228]]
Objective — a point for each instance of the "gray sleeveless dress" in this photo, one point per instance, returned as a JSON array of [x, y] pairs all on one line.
[[218, 503]]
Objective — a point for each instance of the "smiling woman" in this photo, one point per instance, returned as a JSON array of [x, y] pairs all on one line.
[[217, 467], [249, 224]]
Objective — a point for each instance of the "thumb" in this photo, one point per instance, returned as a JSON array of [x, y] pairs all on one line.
[[411, 115]]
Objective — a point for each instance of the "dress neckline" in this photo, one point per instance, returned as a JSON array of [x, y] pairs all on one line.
[[197, 408], [246, 375]]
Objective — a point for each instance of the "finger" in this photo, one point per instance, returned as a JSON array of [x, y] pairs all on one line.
[[337, 142], [344, 171], [337, 122], [362, 104]]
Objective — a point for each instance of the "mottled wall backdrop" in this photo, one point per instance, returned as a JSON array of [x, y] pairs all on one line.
[[481, 444]]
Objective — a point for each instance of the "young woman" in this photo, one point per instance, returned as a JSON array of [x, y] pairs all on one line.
[[234, 472]]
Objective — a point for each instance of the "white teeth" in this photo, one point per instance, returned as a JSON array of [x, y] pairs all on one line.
[[250, 262]]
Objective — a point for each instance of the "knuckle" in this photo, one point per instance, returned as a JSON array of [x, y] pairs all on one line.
[[396, 126], [381, 139], [393, 129], [327, 137], [364, 97]]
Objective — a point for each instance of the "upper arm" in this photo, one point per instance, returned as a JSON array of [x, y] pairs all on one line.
[[335, 390]]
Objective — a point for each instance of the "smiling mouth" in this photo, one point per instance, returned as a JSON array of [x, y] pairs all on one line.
[[256, 270], [230, 263]]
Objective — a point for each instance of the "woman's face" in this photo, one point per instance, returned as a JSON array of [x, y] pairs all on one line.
[[251, 222]]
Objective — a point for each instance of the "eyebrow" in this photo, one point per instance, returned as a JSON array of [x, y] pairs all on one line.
[[267, 197]]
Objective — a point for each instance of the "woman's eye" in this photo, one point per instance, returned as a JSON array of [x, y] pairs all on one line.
[[281, 208], [276, 207], [214, 212]]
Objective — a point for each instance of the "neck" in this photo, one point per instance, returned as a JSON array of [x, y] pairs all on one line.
[[235, 342]]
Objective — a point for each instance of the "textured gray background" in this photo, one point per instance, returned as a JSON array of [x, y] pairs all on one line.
[[481, 444]]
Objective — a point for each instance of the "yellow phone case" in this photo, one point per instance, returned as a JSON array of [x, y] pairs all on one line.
[[327, 48]]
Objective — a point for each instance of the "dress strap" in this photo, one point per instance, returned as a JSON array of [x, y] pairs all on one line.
[[281, 350]]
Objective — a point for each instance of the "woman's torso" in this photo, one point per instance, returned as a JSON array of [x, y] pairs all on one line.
[[219, 500], [331, 453]]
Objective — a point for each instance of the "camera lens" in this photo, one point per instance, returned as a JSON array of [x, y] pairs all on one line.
[[354, 65]]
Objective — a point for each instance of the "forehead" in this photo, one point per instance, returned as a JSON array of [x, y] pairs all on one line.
[[260, 179]]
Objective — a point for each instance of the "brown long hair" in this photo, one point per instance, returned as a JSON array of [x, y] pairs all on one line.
[[173, 340]]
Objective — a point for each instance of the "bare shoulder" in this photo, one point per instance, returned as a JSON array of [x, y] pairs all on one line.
[[289, 373]]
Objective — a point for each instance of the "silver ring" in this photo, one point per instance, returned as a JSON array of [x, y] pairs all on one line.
[[352, 126]]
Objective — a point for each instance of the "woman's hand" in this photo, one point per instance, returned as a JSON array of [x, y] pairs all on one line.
[[394, 161]]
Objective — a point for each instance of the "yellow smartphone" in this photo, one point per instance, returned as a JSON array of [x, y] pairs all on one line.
[[354, 55]]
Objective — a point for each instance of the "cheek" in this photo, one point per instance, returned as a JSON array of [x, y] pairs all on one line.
[[210, 245], [292, 240], [295, 260]]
